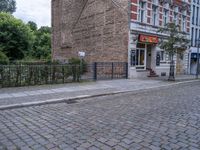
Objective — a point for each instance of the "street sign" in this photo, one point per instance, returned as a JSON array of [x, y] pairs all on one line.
[[81, 54]]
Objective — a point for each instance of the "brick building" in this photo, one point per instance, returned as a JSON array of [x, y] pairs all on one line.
[[97, 27], [117, 31]]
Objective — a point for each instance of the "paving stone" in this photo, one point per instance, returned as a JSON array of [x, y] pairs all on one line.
[[93, 148], [163, 118], [111, 143]]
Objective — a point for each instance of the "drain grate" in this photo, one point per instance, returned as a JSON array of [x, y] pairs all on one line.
[[71, 101]]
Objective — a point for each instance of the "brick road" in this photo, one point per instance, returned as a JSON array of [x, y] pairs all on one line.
[[165, 118]]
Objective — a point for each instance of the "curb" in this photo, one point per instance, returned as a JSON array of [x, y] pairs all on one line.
[[72, 100]]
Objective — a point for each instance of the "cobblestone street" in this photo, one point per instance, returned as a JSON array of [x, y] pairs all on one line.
[[162, 118]]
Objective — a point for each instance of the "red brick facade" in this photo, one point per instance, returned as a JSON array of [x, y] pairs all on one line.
[[182, 6]]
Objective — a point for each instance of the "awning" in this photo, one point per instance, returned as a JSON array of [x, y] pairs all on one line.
[[148, 39]]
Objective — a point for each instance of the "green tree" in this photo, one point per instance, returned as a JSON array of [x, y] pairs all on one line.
[[175, 43], [32, 25], [16, 37], [42, 44], [3, 58], [8, 6]]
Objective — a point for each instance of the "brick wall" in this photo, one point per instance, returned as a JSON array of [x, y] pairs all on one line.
[[161, 6], [98, 27]]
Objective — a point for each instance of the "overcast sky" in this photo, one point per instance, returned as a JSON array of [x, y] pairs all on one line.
[[38, 11]]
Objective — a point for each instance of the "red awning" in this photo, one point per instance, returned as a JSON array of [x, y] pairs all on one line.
[[148, 39]]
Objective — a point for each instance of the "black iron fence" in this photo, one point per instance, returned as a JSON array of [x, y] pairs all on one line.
[[110, 70], [25, 75]]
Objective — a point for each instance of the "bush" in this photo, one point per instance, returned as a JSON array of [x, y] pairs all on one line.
[[3, 58], [78, 67]]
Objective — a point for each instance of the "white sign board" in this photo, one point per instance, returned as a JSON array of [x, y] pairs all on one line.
[[81, 54]]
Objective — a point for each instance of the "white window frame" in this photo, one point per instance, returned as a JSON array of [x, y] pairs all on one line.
[[197, 15], [165, 16], [154, 14], [137, 65], [144, 12], [176, 18], [183, 23], [155, 2]]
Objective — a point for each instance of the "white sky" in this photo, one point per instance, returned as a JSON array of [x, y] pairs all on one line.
[[38, 11]]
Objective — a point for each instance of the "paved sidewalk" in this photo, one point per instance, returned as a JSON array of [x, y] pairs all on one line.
[[36, 94], [177, 78]]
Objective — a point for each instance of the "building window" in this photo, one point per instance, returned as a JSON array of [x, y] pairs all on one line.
[[154, 15], [197, 16], [137, 57], [141, 11], [165, 16], [183, 23], [192, 36], [176, 18], [133, 55], [193, 14], [199, 34], [162, 55], [155, 2], [196, 37]]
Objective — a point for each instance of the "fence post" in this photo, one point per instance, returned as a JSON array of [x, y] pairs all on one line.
[[126, 65], [63, 74], [112, 70], [95, 71]]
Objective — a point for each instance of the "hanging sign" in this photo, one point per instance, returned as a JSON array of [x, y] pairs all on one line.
[[148, 39]]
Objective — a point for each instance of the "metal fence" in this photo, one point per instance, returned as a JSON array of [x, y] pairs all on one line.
[[25, 75], [113, 70]]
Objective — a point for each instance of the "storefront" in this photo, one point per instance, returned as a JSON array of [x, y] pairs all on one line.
[[142, 54]]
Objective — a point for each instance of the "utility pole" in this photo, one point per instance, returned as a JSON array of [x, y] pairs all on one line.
[[197, 71]]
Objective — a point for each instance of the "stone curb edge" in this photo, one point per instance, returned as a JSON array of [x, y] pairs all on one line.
[[64, 100]]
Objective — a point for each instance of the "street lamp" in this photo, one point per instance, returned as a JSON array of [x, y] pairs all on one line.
[[197, 71]]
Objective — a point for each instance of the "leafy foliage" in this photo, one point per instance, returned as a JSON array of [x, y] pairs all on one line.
[[78, 67], [8, 6], [42, 44], [32, 25], [16, 37], [3, 58], [24, 41], [176, 42]]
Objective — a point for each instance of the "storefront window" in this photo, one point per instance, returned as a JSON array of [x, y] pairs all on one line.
[[162, 55], [137, 57], [133, 55]]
